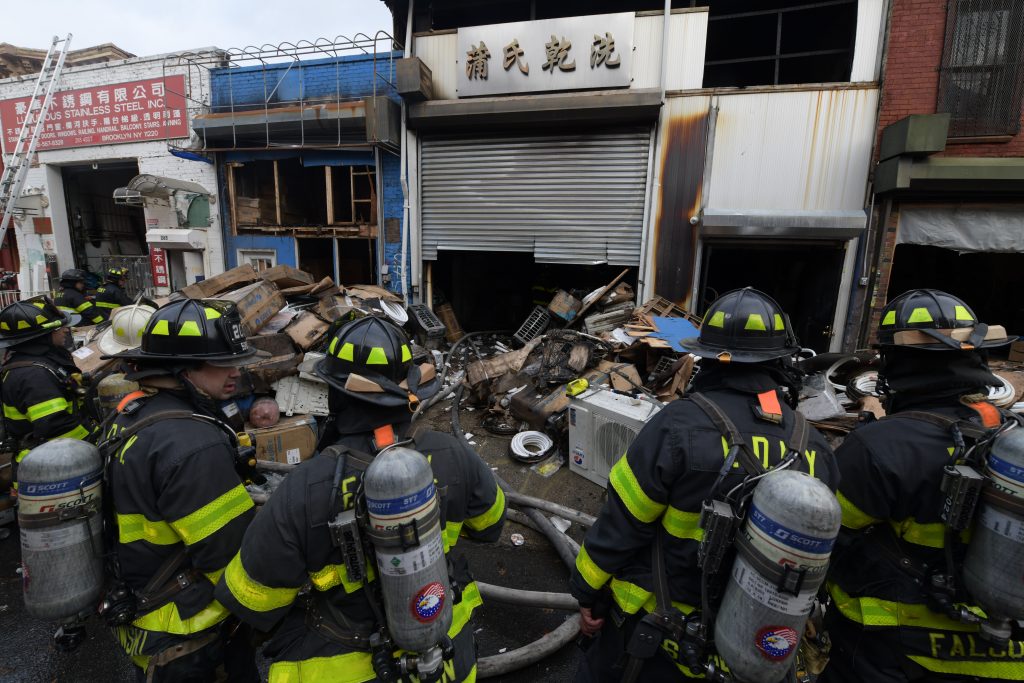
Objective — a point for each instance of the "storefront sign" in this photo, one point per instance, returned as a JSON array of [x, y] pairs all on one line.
[[153, 109], [574, 53], [158, 264]]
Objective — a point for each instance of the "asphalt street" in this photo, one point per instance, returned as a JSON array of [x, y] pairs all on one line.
[[27, 653]]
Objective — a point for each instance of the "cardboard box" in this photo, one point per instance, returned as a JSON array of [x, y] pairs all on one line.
[[226, 281], [1017, 352], [307, 330], [286, 276], [290, 441], [88, 359], [257, 304], [565, 305]]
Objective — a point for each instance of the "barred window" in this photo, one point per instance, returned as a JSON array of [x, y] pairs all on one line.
[[981, 80]]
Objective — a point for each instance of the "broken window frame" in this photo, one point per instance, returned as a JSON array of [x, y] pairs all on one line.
[[981, 77], [778, 56], [361, 223]]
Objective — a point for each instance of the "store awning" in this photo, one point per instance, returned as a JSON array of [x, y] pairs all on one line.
[[783, 224], [964, 227], [146, 186]]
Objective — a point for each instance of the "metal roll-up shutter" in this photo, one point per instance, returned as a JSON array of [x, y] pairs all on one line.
[[564, 198]]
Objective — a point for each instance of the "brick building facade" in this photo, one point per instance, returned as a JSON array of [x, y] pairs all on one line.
[[948, 163]]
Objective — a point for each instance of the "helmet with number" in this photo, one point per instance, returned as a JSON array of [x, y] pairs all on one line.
[[370, 360], [744, 326], [32, 318], [933, 320], [115, 275], [206, 330], [69, 277], [127, 324]]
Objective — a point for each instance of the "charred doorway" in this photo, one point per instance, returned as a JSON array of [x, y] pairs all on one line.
[[99, 227], [346, 260], [804, 277], [497, 290], [989, 282]]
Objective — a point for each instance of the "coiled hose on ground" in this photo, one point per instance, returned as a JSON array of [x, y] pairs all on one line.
[[552, 642]]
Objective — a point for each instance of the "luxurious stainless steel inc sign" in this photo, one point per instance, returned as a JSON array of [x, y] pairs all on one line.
[[574, 53]]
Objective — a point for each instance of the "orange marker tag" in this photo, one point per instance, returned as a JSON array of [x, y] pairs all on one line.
[[770, 408], [990, 416], [383, 436]]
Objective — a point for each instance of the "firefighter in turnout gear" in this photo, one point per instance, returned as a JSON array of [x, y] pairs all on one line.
[[179, 505], [111, 295], [334, 632], [898, 607], [657, 489], [73, 300], [41, 386]]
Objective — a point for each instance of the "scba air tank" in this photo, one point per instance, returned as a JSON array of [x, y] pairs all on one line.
[[405, 529], [112, 389], [793, 521], [995, 555], [59, 504]]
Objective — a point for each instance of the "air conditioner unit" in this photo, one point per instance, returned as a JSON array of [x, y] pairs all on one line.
[[602, 424]]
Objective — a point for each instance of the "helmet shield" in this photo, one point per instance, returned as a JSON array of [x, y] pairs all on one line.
[[744, 326], [933, 320], [30, 319]]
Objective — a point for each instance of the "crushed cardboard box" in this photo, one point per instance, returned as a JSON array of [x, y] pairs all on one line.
[[290, 441], [88, 361], [307, 330], [284, 277], [218, 284], [257, 304]]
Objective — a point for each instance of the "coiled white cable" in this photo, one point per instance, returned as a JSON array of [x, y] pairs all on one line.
[[530, 446], [1003, 395]]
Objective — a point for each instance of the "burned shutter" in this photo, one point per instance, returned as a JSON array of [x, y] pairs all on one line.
[[564, 198]]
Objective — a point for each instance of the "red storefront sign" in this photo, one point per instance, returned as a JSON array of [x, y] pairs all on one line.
[[137, 111], [158, 264]]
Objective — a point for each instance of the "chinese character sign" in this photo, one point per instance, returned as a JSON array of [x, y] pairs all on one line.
[[159, 267], [152, 109], [574, 53]]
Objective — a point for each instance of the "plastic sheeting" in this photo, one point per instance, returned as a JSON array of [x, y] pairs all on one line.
[[964, 228]]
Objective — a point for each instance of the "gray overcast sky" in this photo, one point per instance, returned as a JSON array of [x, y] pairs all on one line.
[[148, 28]]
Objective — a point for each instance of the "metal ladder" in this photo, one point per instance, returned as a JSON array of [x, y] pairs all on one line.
[[16, 171]]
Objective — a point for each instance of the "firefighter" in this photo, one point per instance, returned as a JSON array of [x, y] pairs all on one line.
[[658, 487], [324, 635], [40, 387], [111, 294], [180, 508], [890, 621], [73, 299]]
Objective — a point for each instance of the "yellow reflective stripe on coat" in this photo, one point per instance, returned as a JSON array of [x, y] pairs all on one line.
[[47, 408], [463, 610], [252, 594], [998, 671], [167, 620], [78, 432], [105, 304], [887, 613], [451, 534], [81, 307], [853, 516], [639, 504], [629, 596], [131, 528], [682, 524], [213, 516], [337, 575], [591, 573], [492, 516], [12, 413], [928, 535], [214, 577]]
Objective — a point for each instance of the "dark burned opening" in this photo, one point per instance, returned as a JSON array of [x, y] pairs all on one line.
[[804, 277], [356, 258], [988, 282], [497, 290]]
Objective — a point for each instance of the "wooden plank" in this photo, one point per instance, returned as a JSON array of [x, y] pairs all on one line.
[[596, 299], [231, 198]]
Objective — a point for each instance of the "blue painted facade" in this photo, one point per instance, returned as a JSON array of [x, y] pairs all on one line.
[[338, 79]]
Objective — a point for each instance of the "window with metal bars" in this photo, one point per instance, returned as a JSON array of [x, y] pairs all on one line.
[[981, 81]]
